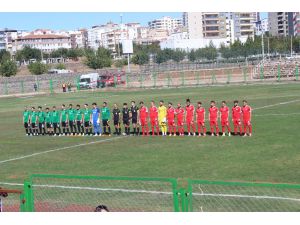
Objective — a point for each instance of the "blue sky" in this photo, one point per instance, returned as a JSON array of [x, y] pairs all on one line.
[[68, 21]]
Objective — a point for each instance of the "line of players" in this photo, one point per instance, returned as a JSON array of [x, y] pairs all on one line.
[[82, 122]]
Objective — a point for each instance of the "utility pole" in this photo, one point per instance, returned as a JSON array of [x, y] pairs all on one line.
[[262, 45], [269, 47], [291, 45]]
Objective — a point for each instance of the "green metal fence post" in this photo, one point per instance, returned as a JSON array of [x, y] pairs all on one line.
[[154, 79], [6, 88], [228, 77], [38, 85], [184, 200], [28, 194], [51, 86], [115, 81], [198, 77], [262, 73], [297, 72], [182, 79], [77, 81], [127, 80], [141, 81], [245, 74], [213, 77], [22, 87], [278, 72], [169, 80]]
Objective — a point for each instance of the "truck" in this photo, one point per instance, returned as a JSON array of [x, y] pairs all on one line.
[[89, 81]]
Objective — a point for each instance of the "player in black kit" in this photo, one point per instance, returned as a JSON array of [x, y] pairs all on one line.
[[126, 116], [134, 111], [116, 117]]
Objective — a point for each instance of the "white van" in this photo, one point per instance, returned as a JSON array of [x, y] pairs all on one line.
[[89, 80]]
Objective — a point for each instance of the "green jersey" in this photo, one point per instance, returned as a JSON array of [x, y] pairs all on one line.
[[78, 114], [41, 116], [34, 116], [26, 115], [71, 114], [55, 116], [64, 114], [48, 117], [105, 113], [87, 115]]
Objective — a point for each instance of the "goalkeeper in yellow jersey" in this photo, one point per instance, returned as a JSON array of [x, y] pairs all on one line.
[[162, 118]]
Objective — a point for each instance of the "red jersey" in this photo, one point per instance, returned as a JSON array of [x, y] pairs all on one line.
[[180, 113], [246, 113], [224, 113], [236, 112], [189, 111], [153, 112], [200, 114], [213, 113], [143, 112], [171, 114]]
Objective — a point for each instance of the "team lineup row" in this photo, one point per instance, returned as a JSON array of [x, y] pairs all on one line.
[[86, 122]]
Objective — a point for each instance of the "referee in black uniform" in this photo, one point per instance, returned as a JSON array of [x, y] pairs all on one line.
[[116, 118], [134, 111], [126, 116]]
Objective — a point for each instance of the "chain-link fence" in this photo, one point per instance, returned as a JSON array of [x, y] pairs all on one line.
[[11, 198], [210, 196], [121, 80], [119, 194]]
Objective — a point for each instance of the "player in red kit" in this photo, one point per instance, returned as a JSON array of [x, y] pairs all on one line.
[[247, 118], [179, 112], [143, 119], [154, 118], [200, 118], [236, 117], [171, 119], [213, 118], [224, 110], [190, 111]]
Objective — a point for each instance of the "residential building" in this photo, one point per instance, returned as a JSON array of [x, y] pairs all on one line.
[[244, 24], [78, 38], [165, 23], [2, 40], [43, 40], [296, 24], [281, 23], [193, 22]]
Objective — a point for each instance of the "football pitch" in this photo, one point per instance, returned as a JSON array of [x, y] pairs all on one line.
[[270, 155]]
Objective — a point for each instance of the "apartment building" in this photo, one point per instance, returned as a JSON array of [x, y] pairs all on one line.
[[244, 24], [78, 38], [165, 23], [281, 23], [296, 23], [2, 40], [262, 27], [45, 40]]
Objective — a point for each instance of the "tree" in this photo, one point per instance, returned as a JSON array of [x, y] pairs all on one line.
[[225, 51], [210, 52], [8, 68], [37, 68], [192, 55], [60, 66], [28, 53], [120, 63], [178, 55], [60, 53], [102, 58], [140, 58], [4, 56]]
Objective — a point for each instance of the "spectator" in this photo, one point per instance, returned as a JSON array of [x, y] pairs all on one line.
[[64, 87], [35, 87], [101, 208], [69, 87]]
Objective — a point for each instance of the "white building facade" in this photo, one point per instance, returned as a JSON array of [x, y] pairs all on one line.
[[165, 23]]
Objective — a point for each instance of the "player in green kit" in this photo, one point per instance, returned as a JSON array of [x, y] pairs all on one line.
[[48, 121], [33, 121], [41, 117], [78, 117], [105, 114], [87, 118], [26, 117], [71, 118], [55, 121], [64, 120]]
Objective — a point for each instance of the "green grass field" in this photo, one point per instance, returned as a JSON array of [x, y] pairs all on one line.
[[271, 155]]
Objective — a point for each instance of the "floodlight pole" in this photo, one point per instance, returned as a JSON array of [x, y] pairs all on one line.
[[128, 63], [262, 45]]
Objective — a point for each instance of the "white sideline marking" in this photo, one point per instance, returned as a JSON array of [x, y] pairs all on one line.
[[280, 103], [58, 149], [160, 192], [277, 114]]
